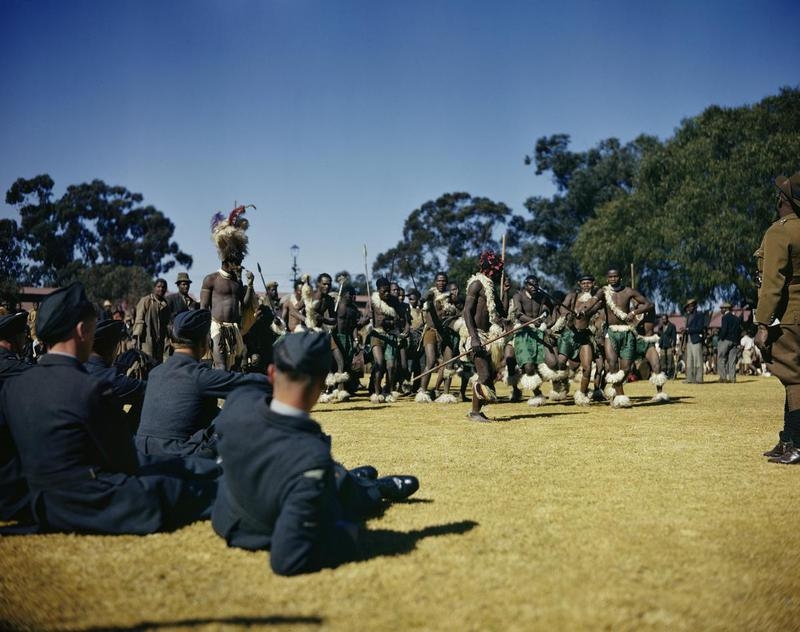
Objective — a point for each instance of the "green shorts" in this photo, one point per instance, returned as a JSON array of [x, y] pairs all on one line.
[[623, 342], [529, 347], [571, 341]]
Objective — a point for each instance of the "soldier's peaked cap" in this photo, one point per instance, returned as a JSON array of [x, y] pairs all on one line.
[[307, 352], [12, 324], [192, 325], [790, 187], [60, 311]]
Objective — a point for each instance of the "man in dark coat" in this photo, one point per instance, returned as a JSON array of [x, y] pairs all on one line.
[[730, 333], [181, 301], [667, 339], [180, 402], [14, 499], [778, 312], [694, 336], [76, 455], [282, 490]]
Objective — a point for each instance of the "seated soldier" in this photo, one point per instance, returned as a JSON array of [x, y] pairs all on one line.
[[180, 402], [128, 391], [282, 490], [76, 454], [14, 498]]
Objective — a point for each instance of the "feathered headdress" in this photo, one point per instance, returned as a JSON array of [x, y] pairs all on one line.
[[229, 234]]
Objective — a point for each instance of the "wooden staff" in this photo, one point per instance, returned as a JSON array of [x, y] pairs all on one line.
[[503, 273], [485, 344], [633, 279]]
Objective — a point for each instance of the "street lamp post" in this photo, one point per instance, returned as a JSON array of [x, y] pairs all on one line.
[[295, 250]]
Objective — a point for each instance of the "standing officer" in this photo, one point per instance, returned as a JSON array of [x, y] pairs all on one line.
[[778, 312], [282, 490]]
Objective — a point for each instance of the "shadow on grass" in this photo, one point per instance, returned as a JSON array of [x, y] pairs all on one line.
[[534, 414], [244, 622], [385, 543]]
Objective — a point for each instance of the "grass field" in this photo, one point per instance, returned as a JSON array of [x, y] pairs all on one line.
[[659, 517]]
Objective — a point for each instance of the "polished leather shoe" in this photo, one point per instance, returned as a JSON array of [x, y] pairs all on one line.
[[790, 457], [398, 487], [365, 471], [780, 448]]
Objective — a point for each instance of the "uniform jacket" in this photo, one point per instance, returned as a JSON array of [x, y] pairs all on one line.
[[180, 404], [779, 254], [14, 498], [279, 491], [127, 390], [79, 460]]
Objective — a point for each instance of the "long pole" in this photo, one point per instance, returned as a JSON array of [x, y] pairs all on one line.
[[485, 344], [369, 290], [503, 273]]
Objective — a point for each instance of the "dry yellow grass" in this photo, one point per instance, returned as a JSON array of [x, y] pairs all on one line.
[[659, 517]]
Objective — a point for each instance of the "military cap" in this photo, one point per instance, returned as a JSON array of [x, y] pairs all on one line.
[[183, 276], [60, 311], [586, 277], [790, 187], [108, 330], [193, 325], [13, 324], [307, 352]]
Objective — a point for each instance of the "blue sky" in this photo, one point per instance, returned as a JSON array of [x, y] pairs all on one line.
[[337, 118]]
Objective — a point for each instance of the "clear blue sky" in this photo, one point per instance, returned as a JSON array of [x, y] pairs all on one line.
[[337, 118]]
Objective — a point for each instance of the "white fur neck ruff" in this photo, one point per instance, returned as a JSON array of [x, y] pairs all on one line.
[[488, 288], [382, 306], [442, 302], [608, 291], [309, 303]]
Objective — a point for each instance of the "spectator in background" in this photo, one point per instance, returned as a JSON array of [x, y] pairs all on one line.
[[668, 337], [730, 333]]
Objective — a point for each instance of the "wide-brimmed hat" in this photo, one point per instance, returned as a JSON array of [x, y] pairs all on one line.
[[726, 305], [790, 187], [691, 301], [183, 276]]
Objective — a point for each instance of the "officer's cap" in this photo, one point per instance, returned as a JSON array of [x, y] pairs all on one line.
[[192, 325], [108, 330], [586, 277], [13, 324], [790, 187], [307, 352], [60, 311]]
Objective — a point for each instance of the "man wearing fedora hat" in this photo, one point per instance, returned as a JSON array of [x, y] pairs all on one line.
[[693, 337], [181, 301], [778, 312], [730, 332]]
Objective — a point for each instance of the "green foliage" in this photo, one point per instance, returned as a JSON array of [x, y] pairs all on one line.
[[445, 234], [585, 181], [90, 224], [119, 284], [701, 202]]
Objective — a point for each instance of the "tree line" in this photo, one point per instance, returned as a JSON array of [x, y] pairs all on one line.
[[687, 213]]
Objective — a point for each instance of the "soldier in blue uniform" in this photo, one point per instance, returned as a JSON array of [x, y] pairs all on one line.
[[128, 391], [76, 455], [282, 490], [13, 488], [180, 402]]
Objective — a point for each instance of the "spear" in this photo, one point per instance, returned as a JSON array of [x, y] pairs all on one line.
[[485, 344]]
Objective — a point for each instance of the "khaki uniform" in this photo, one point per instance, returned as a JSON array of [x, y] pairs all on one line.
[[778, 259]]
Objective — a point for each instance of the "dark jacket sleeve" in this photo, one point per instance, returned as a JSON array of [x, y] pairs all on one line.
[[219, 383], [309, 534]]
